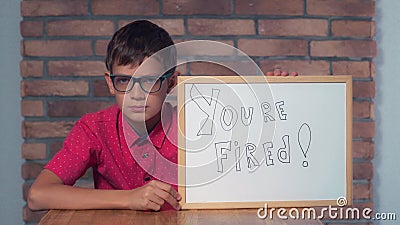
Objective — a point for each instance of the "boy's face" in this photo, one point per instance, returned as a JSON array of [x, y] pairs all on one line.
[[137, 105]]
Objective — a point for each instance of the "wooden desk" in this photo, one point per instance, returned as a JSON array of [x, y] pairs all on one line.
[[186, 217]]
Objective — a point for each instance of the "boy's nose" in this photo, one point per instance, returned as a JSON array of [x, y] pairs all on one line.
[[137, 92]]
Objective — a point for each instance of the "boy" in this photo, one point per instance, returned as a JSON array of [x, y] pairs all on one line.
[[130, 146], [115, 142]]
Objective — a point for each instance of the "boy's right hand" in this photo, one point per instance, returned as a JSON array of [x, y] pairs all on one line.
[[153, 196], [279, 72]]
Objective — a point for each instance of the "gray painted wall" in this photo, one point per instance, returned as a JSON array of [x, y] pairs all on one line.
[[11, 202], [387, 110]]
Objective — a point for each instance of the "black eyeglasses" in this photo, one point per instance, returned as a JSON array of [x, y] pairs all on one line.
[[149, 84]]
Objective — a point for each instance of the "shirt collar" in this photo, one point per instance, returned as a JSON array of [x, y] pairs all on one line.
[[157, 134]]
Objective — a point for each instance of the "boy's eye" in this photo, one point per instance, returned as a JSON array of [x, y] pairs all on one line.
[[122, 80], [149, 80]]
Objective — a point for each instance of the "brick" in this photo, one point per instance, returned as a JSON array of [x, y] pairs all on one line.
[[211, 69], [178, 40], [34, 151], [357, 69], [341, 7], [125, 7], [365, 130], [54, 88], [100, 89], [373, 72], [206, 48], [352, 28], [214, 65], [211, 27], [343, 48], [363, 171], [80, 28], [362, 110], [55, 147], [30, 216], [101, 47], [31, 28], [373, 28], [74, 108], [182, 68], [271, 7], [31, 170], [57, 48], [267, 47], [218, 68], [25, 190], [46, 129], [362, 191], [372, 110], [302, 67], [363, 149], [293, 27], [172, 26], [363, 89], [54, 8], [31, 68], [32, 108], [76, 68], [205, 7]]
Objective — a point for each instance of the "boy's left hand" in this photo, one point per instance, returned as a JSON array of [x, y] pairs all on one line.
[[279, 72]]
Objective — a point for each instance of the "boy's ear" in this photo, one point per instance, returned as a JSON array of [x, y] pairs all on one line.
[[172, 81], [109, 83]]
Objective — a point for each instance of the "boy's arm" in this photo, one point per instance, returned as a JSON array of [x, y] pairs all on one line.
[[49, 192]]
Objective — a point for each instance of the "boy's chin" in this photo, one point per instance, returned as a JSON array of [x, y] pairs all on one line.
[[141, 119], [135, 118]]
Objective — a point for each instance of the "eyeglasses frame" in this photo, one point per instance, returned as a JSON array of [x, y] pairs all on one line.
[[134, 80]]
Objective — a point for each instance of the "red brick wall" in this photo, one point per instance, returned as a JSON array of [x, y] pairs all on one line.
[[64, 43]]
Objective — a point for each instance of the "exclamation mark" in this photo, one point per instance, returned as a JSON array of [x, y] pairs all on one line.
[[304, 140]]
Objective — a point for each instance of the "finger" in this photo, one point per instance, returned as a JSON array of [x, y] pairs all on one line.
[[277, 72], [167, 193], [284, 73], [168, 188], [270, 73], [294, 73], [156, 199], [173, 202], [168, 198], [152, 206], [150, 199]]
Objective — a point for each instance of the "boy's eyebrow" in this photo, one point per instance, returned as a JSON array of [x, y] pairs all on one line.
[[125, 75], [158, 74]]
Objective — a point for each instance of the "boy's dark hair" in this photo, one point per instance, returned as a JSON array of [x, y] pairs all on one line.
[[138, 40]]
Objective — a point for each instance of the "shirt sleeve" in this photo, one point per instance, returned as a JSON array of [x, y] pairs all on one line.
[[77, 154]]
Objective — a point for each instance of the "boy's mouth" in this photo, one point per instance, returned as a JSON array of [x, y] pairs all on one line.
[[137, 108]]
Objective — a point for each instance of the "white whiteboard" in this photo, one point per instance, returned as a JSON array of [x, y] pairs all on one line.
[[245, 143]]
